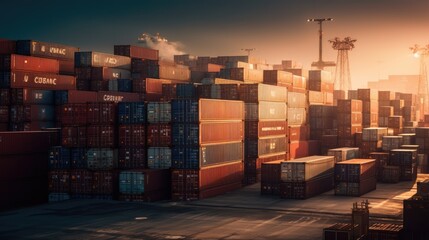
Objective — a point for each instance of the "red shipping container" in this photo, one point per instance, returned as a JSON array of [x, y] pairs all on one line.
[[103, 112], [7, 46], [73, 114], [349, 105], [11, 166], [27, 63], [73, 136], [132, 135], [298, 149], [81, 181], [257, 129], [149, 85], [132, 158], [298, 133], [100, 136], [105, 182], [27, 142], [136, 52], [168, 92], [252, 166], [197, 184], [66, 67], [75, 96], [4, 114], [59, 181], [159, 135], [45, 81]]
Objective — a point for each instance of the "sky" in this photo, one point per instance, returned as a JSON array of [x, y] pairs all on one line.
[[277, 29]]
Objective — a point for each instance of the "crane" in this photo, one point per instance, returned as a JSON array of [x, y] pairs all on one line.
[[342, 71], [423, 90], [321, 64]]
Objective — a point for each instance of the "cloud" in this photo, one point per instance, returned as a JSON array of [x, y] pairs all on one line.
[[166, 49]]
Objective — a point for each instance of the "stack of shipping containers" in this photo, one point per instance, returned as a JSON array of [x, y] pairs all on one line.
[[349, 120], [207, 147], [372, 140], [355, 177], [265, 127], [422, 140], [306, 177]]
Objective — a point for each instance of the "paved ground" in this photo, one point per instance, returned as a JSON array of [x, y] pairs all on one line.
[[242, 214]]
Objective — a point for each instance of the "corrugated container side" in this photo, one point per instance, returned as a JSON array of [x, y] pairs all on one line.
[[262, 92], [45, 50], [159, 157], [265, 146], [28, 63], [304, 169], [136, 52], [97, 59], [46, 81]]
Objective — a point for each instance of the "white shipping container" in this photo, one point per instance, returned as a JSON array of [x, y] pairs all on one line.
[[344, 153], [307, 168]]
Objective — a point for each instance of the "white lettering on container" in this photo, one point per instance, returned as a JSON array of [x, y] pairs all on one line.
[[55, 50], [112, 98], [111, 60], [45, 81], [115, 75]]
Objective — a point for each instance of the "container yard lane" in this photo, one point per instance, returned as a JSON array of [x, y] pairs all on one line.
[[242, 214]]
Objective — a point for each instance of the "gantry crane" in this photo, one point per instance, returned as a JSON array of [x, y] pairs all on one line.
[[321, 64], [423, 89], [342, 71]]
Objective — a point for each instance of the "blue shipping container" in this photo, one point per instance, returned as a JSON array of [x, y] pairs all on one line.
[[125, 85], [131, 182], [184, 111], [183, 157], [186, 91], [78, 158], [185, 134]]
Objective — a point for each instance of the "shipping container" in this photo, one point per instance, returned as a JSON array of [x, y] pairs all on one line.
[[207, 133], [31, 96], [271, 177], [188, 185], [373, 133], [26, 63], [28, 113], [81, 182], [146, 183], [355, 189], [59, 181], [105, 183], [132, 112], [267, 111], [101, 113], [343, 154], [159, 157], [132, 158], [7, 46], [38, 80], [390, 174], [103, 136], [97, 59], [278, 77], [415, 216], [391, 142], [339, 231], [381, 160], [159, 135], [257, 129], [296, 116], [133, 135], [45, 50], [355, 170], [385, 231], [195, 157], [23, 166], [29, 142], [218, 91], [116, 97], [253, 165], [59, 157], [193, 111], [306, 189], [265, 146], [350, 105], [253, 93], [102, 158], [158, 112], [307, 168], [136, 52]]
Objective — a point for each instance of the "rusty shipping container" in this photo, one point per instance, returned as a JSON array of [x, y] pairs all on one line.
[[45, 81], [97, 59], [136, 52], [73, 114], [257, 129], [207, 133], [115, 97], [45, 50], [262, 92]]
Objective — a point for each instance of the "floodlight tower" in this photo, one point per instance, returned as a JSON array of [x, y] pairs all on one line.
[[423, 89], [342, 71], [321, 64]]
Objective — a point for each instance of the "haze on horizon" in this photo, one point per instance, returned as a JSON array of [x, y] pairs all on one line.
[[384, 29]]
